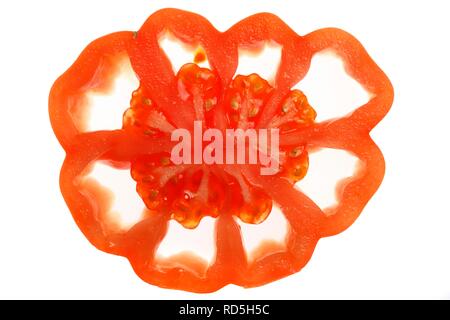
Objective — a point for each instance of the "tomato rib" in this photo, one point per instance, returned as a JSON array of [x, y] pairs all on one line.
[[95, 68], [154, 68], [261, 27], [360, 67]]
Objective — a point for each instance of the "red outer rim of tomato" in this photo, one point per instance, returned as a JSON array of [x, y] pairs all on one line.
[[308, 223]]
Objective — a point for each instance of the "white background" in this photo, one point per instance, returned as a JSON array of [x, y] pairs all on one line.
[[398, 248]]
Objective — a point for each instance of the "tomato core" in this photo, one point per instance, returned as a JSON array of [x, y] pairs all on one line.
[[190, 192]]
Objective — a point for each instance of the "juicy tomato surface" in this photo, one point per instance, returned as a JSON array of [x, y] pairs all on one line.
[[216, 97]]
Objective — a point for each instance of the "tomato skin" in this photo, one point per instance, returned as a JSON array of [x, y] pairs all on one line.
[[88, 202]]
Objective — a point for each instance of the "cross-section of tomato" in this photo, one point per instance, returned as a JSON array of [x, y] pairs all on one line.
[[214, 98]]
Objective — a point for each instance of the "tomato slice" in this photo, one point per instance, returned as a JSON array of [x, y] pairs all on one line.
[[216, 98]]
